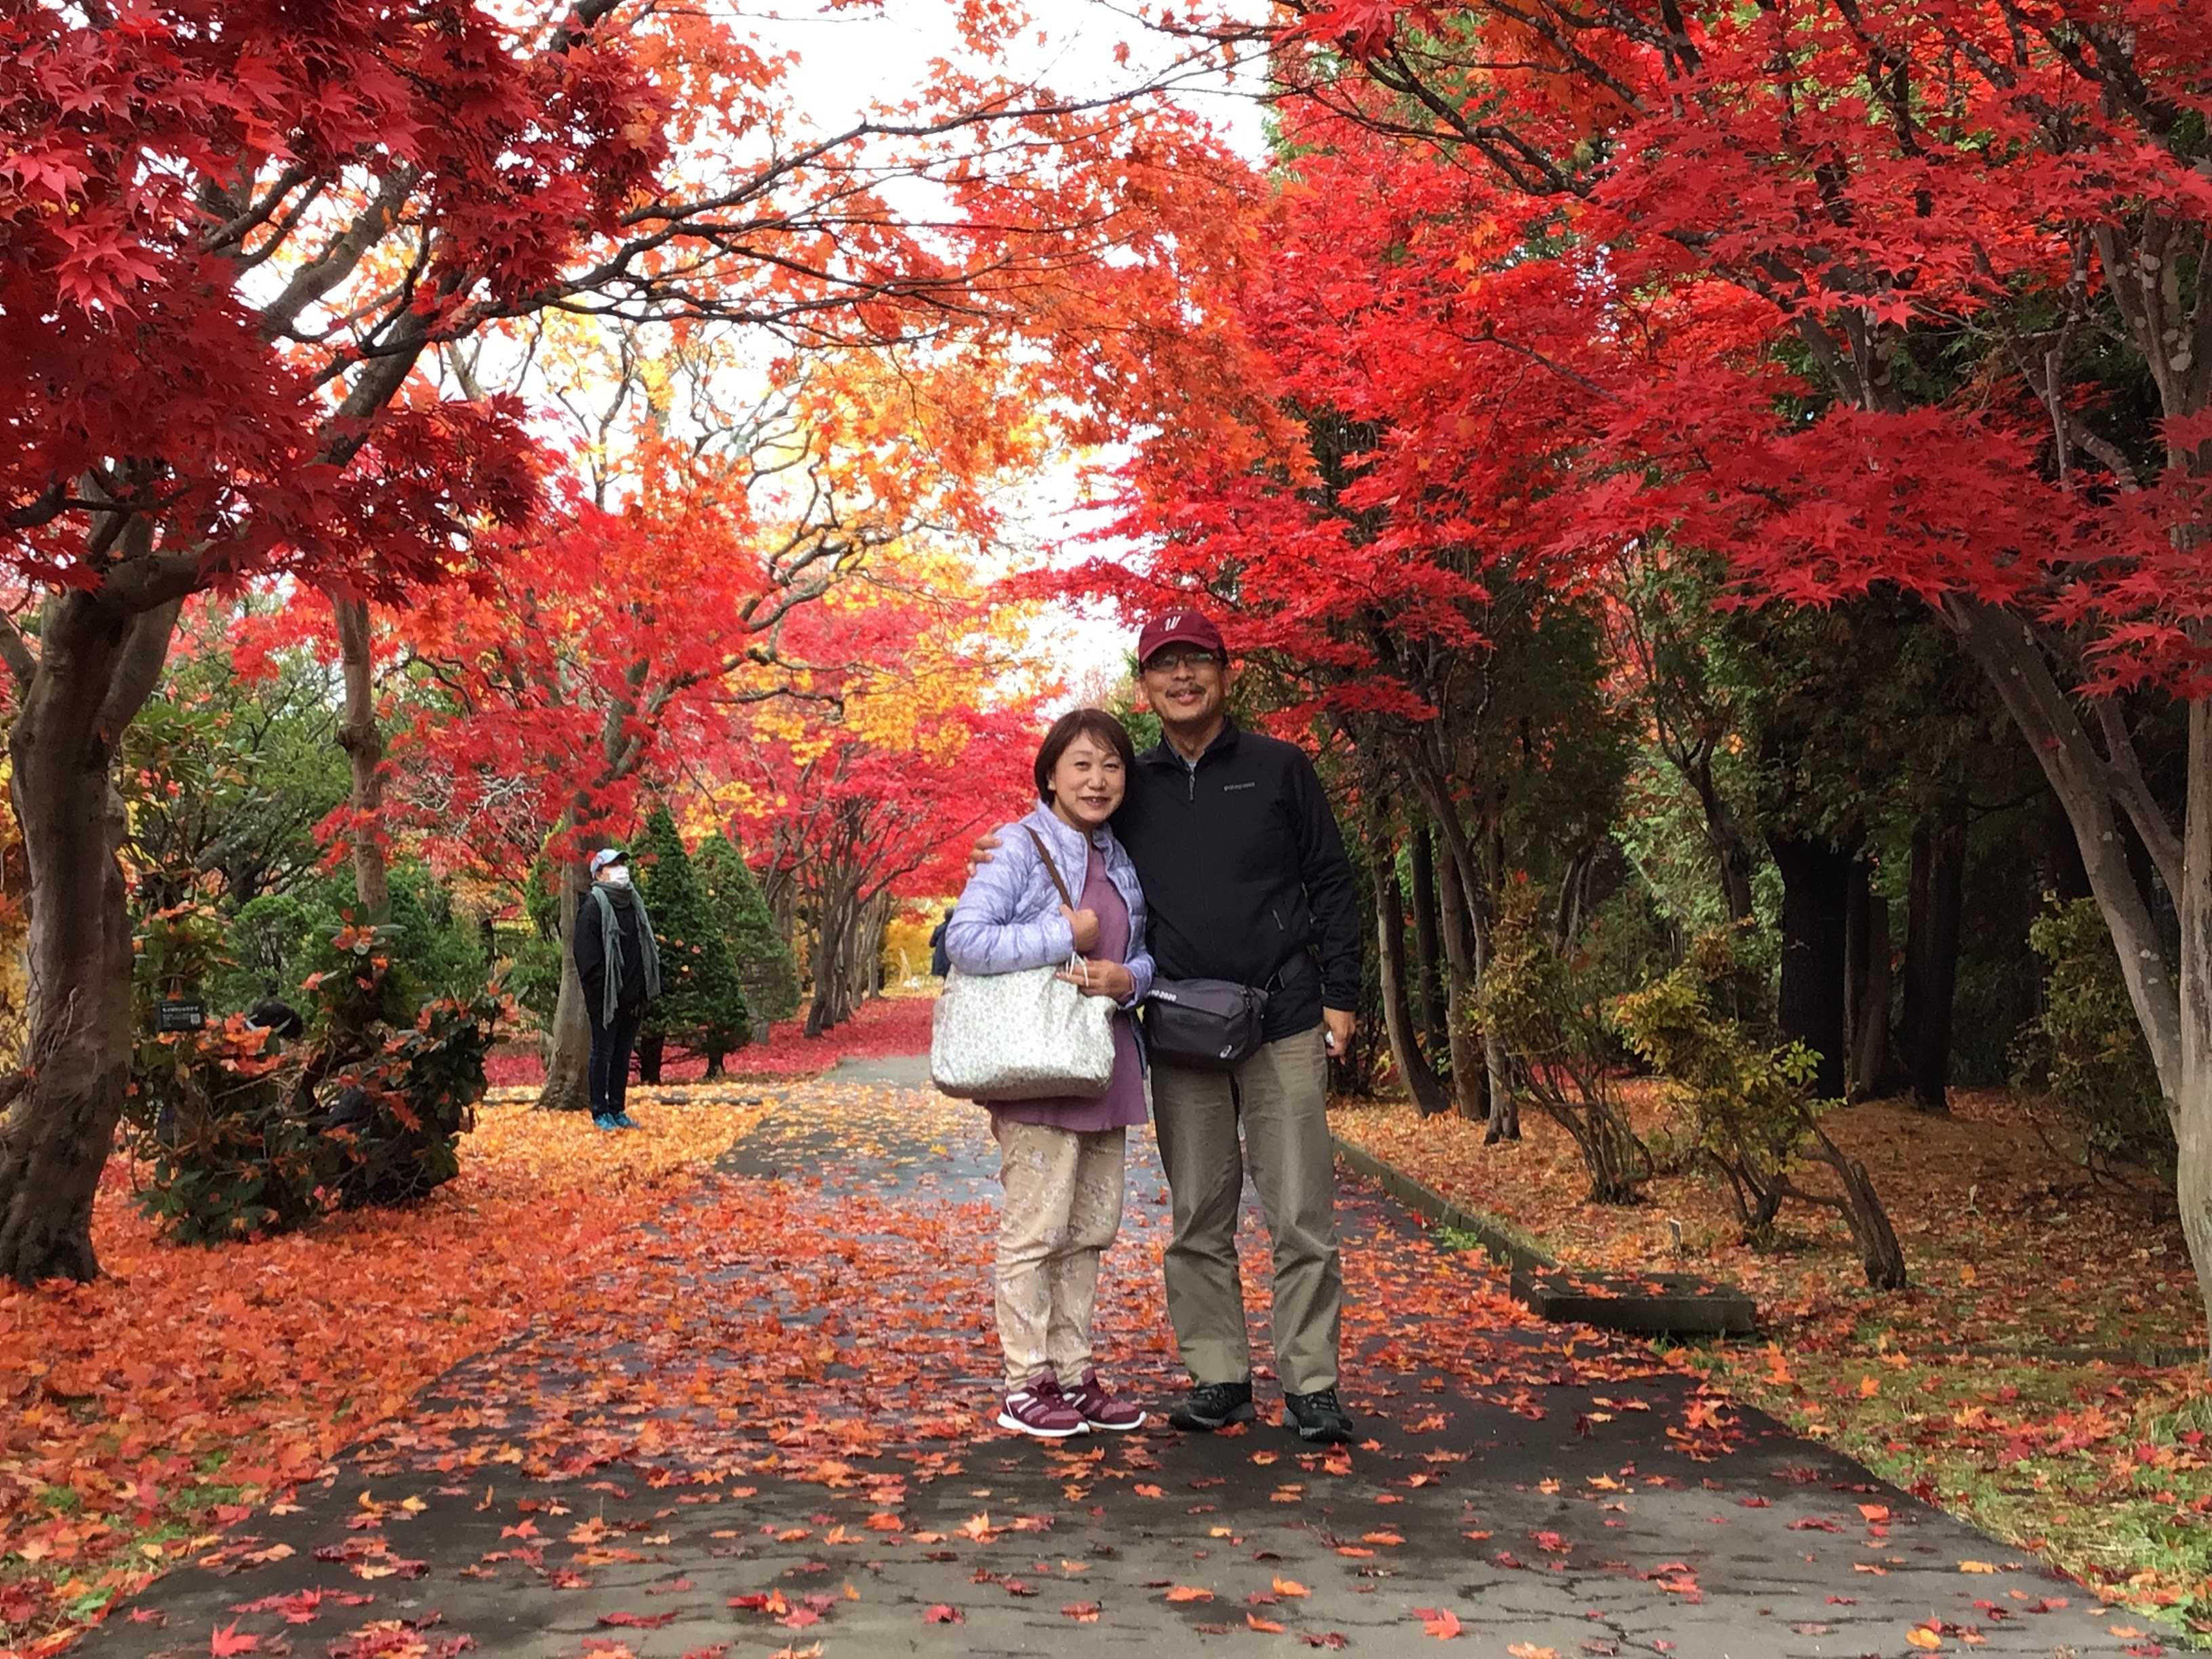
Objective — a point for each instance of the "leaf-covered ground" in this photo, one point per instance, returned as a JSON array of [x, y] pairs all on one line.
[[143, 1413], [887, 1025], [756, 1420], [2007, 1384]]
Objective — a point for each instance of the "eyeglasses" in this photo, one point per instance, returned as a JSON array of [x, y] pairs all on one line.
[[1172, 661]]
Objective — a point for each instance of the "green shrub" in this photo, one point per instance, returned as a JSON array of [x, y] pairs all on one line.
[[393, 1134], [533, 978], [1534, 1001], [702, 1001], [242, 1135], [2085, 1048], [1752, 1106], [766, 968], [209, 1111]]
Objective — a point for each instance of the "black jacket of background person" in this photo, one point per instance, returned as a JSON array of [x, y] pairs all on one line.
[[1245, 874], [591, 951]]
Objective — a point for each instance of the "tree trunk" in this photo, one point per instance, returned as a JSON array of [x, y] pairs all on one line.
[[2005, 647], [864, 958], [1815, 898], [94, 672], [567, 1068], [1931, 951], [1428, 984], [1573, 913], [1731, 852], [1470, 1071], [833, 924], [1867, 985], [2191, 1102], [1497, 1060], [2067, 877], [1421, 1081], [362, 739]]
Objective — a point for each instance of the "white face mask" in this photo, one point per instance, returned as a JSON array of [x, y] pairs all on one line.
[[617, 875]]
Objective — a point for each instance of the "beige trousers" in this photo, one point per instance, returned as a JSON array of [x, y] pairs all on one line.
[[1062, 1208], [1279, 1098]]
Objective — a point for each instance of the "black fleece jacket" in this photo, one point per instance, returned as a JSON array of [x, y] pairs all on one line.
[[1245, 875]]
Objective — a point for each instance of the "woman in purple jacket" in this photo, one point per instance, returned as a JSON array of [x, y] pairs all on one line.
[[1062, 1159]]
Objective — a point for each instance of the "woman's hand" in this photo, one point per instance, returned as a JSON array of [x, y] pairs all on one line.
[[1085, 926], [1102, 979]]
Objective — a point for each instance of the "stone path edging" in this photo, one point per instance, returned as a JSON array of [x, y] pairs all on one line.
[[1647, 1304]]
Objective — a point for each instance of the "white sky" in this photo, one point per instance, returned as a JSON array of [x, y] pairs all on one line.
[[848, 58]]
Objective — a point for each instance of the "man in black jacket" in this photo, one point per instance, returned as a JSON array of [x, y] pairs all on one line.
[[619, 963], [1245, 878]]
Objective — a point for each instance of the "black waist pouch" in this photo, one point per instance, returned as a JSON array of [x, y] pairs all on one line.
[[1207, 1024]]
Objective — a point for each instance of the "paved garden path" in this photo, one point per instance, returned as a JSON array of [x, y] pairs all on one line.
[[761, 1427]]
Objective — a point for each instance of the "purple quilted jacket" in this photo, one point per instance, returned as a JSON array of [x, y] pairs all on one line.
[[1009, 917]]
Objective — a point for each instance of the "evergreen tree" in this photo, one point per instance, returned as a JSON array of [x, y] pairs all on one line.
[[765, 963], [702, 1000]]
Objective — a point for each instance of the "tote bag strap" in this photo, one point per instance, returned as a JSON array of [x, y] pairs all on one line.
[[1051, 869]]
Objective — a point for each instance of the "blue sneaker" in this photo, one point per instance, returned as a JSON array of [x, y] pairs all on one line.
[[626, 1121], [607, 1123]]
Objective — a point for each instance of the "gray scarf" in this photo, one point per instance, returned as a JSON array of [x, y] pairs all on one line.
[[610, 938]]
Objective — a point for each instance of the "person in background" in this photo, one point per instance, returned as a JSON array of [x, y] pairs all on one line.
[[619, 963], [940, 962], [1062, 1160]]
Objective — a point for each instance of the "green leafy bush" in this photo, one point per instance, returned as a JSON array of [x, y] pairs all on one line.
[[2084, 1049], [241, 1134], [1753, 1111], [702, 1002], [392, 1134], [211, 1110], [1533, 999], [766, 968]]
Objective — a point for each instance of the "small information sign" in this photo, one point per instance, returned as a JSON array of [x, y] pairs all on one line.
[[176, 1014]]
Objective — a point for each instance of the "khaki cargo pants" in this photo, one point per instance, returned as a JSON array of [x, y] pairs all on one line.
[[1279, 1099]]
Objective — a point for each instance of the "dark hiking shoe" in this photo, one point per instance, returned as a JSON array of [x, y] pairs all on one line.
[[1211, 1406], [1318, 1417]]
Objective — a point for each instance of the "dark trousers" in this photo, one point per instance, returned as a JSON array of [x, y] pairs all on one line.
[[611, 1050]]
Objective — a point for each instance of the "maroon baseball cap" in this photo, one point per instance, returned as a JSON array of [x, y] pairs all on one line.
[[1179, 628]]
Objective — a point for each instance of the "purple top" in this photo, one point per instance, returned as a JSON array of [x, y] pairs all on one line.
[[1123, 1103]]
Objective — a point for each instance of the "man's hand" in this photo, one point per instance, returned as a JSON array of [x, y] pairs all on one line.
[[1086, 924], [1338, 1025], [1102, 979], [979, 853]]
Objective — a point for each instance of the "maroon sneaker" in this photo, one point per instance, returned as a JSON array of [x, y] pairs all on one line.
[[1100, 1409], [1038, 1408]]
